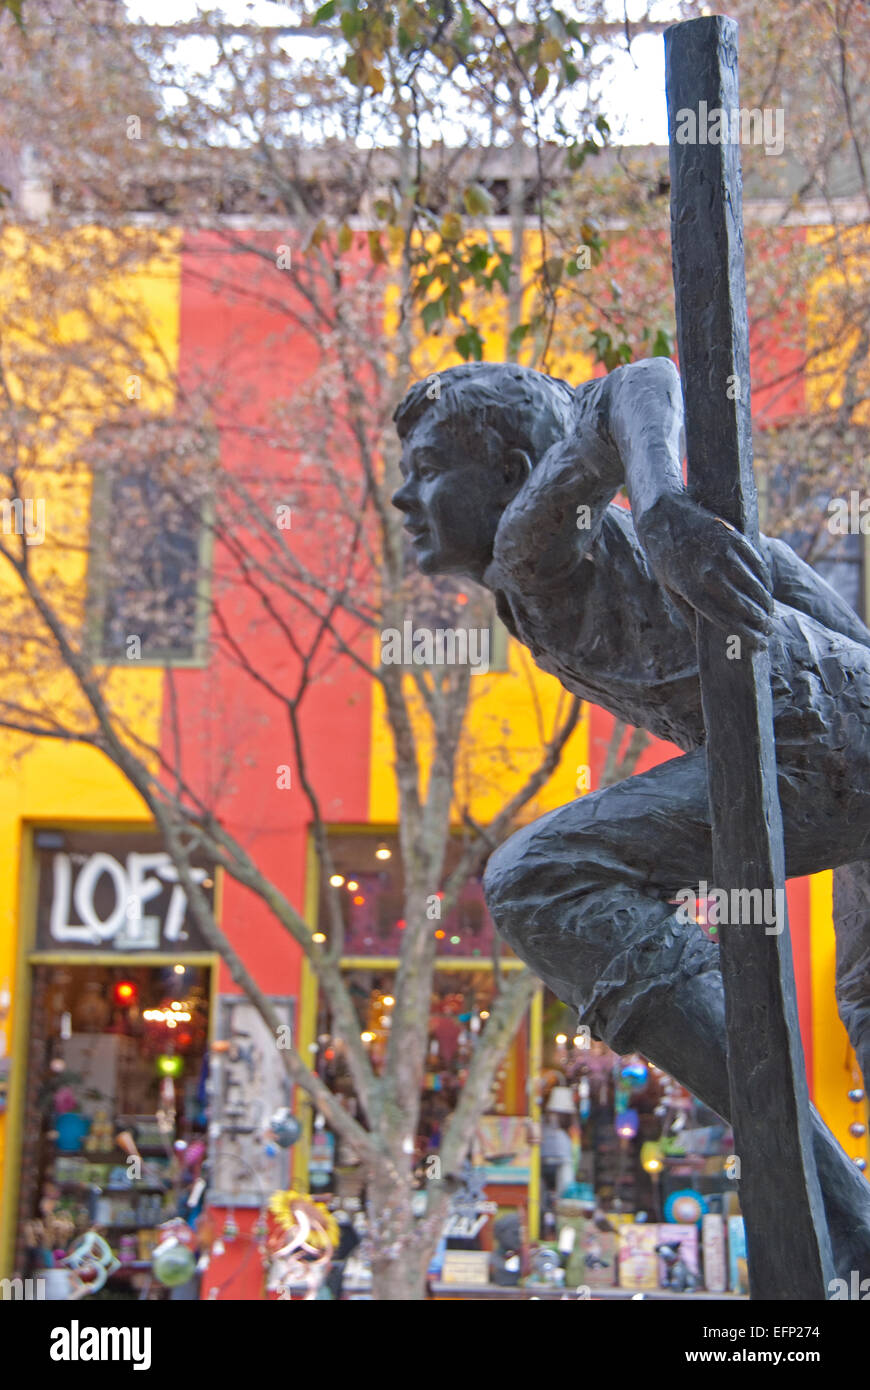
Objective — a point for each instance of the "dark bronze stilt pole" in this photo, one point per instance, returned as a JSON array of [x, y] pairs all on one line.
[[787, 1239]]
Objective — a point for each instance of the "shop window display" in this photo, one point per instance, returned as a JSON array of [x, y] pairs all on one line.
[[371, 896], [496, 1182], [589, 1170], [638, 1178], [115, 1121]]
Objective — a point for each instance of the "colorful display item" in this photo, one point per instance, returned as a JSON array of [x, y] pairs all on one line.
[[302, 1244], [90, 1264], [685, 1207], [173, 1263], [284, 1128], [168, 1064]]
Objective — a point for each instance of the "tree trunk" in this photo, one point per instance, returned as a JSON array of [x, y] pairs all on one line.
[[398, 1265]]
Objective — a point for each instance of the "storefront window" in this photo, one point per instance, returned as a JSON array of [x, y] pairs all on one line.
[[636, 1173], [371, 896], [116, 1116]]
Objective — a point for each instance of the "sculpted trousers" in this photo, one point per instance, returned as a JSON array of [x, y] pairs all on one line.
[[583, 897]]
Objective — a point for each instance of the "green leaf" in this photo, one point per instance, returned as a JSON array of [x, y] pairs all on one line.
[[502, 273], [325, 12], [477, 201], [469, 345], [518, 335], [433, 315], [553, 268], [662, 347], [345, 238], [351, 23], [540, 80]]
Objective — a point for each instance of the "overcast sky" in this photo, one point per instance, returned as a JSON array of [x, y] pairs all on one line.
[[633, 94]]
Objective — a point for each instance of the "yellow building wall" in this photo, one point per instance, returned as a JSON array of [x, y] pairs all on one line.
[[49, 780], [832, 1056]]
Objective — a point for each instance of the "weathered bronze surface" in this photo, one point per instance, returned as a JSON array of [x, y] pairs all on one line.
[[510, 478]]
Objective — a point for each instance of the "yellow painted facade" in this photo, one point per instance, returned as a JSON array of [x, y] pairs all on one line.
[[49, 780]]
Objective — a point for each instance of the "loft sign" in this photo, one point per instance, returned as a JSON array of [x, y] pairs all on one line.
[[121, 891]]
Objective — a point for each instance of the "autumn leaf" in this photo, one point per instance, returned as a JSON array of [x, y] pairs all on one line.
[[376, 250], [477, 201], [540, 81], [451, 227]]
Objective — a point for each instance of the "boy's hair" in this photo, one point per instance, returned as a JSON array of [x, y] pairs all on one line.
[[524, 408]]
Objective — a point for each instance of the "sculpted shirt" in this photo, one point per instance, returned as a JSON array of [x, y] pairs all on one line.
[[603, 625]]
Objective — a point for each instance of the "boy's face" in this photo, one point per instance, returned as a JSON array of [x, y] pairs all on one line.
[[452, 502]]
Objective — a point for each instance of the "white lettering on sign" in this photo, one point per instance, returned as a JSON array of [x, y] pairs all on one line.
[[463, 1227], [133, 885]]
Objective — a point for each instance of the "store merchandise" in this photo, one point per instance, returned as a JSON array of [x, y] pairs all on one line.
[[638, 1262], [107, 1152], [738, 1270], [678, 1257], [714, 1252], [599, 1253]]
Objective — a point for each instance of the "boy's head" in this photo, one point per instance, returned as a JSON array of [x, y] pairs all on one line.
[[470, 437]]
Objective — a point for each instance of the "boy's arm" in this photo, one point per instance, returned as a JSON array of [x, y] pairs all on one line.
[[797, 584], [627, 432], [645, 422], [700, 559], [551, 523]]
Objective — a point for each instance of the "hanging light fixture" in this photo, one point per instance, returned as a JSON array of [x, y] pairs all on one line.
[[651, 1158], [627, 1123]]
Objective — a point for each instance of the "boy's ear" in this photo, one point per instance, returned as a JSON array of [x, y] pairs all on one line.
[[516, 468]]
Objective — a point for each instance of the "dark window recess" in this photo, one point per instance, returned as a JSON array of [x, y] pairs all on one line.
[[150, 580]]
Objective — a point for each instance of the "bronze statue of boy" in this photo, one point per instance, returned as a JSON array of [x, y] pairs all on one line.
[[510, 478]]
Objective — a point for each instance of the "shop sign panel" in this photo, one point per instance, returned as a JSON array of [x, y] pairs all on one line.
[[117, 891]]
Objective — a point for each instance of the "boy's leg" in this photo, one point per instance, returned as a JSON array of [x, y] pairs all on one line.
[[582, 896]]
